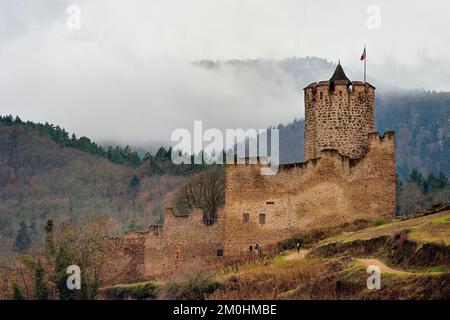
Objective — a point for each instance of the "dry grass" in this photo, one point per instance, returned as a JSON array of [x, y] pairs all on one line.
[[279, 277], [423, 229], [436, 230], [270, 281]]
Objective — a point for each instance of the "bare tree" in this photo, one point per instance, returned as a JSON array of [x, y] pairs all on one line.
[[205, 191]]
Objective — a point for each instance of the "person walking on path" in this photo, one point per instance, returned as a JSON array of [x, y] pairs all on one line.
[[258, 250]]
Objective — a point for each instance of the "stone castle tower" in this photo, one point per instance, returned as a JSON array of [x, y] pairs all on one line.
[[339, 114]]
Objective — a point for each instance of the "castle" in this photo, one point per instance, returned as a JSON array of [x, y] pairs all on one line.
[[349, 174]]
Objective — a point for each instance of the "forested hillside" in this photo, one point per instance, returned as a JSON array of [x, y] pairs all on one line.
[[41, 179], [421, 121]]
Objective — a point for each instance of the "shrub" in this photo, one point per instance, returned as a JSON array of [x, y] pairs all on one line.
[[379, 223], [144, 291], [137, 291], [194, 288], [291, 243], [115, 293]]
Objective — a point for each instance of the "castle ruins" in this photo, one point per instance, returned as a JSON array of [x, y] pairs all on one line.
[[349, 174]]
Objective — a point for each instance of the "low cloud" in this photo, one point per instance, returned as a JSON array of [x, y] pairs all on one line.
[[127, 76]]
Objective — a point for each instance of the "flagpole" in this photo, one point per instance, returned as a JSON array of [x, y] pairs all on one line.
[[365, 59]]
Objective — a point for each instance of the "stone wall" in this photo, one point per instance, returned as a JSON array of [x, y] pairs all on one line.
[[125, 258], [324, 192], [327, 191], [339, 118], [183, 244]]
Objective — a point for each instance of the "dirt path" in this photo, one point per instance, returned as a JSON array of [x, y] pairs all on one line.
[[365, 262], [378, 263], [297, 256]]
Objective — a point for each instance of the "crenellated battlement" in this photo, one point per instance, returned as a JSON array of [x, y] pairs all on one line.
[[375, 141], [313, 90]]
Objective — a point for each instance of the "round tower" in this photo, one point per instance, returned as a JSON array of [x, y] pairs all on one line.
[[339, 114]]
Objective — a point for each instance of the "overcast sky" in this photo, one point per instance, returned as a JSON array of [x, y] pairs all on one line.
[[126, 76]]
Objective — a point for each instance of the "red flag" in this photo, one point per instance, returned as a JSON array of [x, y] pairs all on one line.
[[363, 56]]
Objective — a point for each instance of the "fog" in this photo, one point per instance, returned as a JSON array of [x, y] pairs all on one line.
[[126, 76]]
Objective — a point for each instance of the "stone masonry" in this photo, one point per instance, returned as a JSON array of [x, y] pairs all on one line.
[[338, 114]]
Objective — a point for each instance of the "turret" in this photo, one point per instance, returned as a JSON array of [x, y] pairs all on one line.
[[339, 114]]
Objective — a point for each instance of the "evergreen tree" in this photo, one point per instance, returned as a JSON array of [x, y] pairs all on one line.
[[23, 239], [40, 288], [17, 120], [441, 181], [33, 230], [147, 157], [17, 292], [64, 258], [425, 186], [116, 155], [133, 159], [432, 181], [135, 182], [416, 177], [49, 244]]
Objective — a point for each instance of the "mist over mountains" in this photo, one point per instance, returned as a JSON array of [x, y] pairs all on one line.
[[419, 117], [257, 93]]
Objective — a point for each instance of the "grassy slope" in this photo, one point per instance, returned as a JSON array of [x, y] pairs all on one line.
[[290, 276], [424, 229], [307, 275]]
